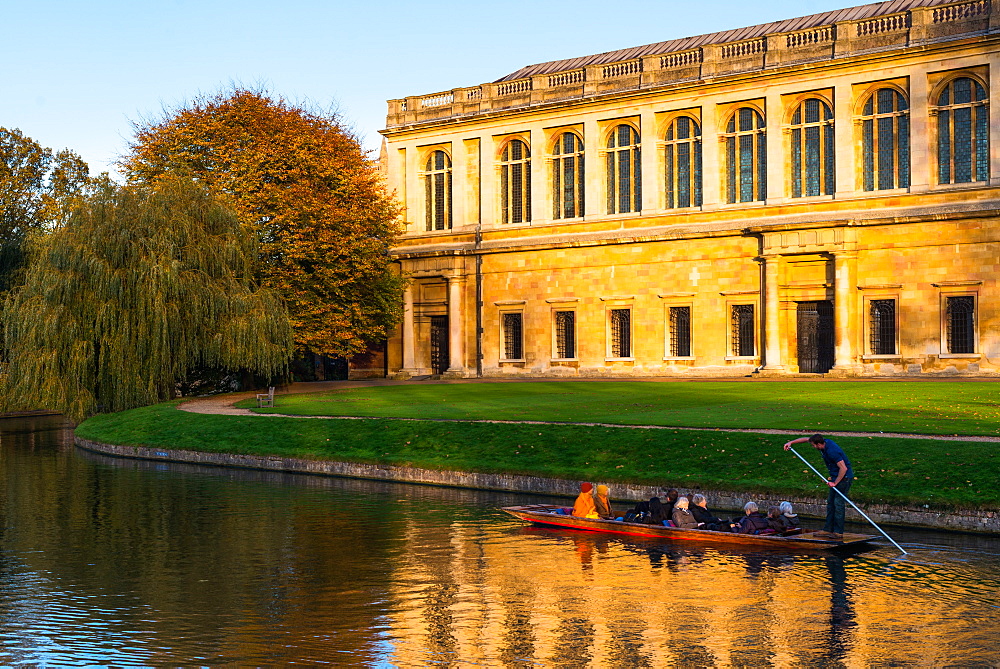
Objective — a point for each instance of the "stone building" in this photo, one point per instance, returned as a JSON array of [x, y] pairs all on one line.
[[815, 195]]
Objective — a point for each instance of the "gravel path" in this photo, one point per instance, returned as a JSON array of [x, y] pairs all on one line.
[[223, 405]]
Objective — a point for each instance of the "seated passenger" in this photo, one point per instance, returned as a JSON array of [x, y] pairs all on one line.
[[657, 514], [668, 505], [682, 516], [790, 518], [602, 504], [753, 521], [708, 520], [775, 520], [584, 505]]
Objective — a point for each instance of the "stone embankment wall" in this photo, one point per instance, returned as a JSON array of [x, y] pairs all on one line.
[[961, 520]]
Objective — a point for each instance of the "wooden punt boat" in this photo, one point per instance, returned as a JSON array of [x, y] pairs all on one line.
[[549, 516]]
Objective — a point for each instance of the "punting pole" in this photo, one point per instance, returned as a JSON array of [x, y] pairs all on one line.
[[848, 501]]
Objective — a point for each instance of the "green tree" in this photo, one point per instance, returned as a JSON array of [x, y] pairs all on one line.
[[37, 188], [139, 287], [318, 203]]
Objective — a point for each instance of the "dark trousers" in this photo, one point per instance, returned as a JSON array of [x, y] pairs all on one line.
[[835, 507]]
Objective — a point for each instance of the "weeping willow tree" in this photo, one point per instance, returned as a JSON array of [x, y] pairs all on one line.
[[138, 288]]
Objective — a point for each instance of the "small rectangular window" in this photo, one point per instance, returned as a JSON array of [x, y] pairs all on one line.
[[621, 333], [961, 324], [680, 332], [513, 343], [743, 339], [882, 327], [565, 334]]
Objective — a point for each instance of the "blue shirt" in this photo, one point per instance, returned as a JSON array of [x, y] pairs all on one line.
[[832, 454]]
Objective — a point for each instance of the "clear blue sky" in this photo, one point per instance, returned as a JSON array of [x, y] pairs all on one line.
[[76, 73]]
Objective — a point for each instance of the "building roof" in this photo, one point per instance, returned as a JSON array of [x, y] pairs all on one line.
[[736, 35]]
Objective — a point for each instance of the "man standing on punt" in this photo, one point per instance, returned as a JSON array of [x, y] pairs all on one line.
[[841, 477]]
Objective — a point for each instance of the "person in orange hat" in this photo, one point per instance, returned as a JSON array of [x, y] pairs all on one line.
[[584, 505]]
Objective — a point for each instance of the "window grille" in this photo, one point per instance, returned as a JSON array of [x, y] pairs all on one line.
[[680, 332], [682, 163], [961, 322], [812, 149], [513, 347], [885, 141], [746, 156], [437, 191], [963, 132], [567, 177], [624, 171], [743, 330], [882, 324], [565, 334], [621, 333], [515, 182]]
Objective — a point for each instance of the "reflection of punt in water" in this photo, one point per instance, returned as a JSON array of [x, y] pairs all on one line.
[[547, 515]]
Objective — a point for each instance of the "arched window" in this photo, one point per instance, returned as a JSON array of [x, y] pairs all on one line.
[[437, 191], [515, 182], [682, 163], [746, 156], [885, 140], [624, 171], [812, 149], [963, 132], [567, 177]]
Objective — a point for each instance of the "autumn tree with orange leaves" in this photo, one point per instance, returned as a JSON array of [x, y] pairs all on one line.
[[319, 206]]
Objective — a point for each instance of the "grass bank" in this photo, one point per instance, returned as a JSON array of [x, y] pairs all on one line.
[[901, 471], [950, 408]]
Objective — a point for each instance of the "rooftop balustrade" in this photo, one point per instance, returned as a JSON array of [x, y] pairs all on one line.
[[916, 26]]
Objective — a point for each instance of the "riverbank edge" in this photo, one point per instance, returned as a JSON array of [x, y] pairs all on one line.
[[980, 522]]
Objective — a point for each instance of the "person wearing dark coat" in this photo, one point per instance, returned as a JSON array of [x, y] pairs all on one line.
[[790, 517], [775, 520], [753, 521], [708, 520], [657, 512], [668, 505]]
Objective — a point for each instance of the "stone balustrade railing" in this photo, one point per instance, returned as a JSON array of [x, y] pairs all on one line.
[[919, 25]]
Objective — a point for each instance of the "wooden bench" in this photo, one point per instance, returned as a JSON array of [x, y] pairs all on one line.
[[266, 399]]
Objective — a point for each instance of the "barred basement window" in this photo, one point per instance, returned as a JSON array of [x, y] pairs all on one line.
[[882, 327], [746, 156], [963, 132], [961, 323], [624, 171], [682, 163], [885, 141], [621, 333], [565, 334], [680, 332], [437, 191], [515, 182], [513, 344], [743, 330], [812, 149], [567, 177]]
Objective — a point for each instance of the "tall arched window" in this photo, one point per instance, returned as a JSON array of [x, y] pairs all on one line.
[[567, 177], [963, 132], [682, 163], [624, 171], [812, 149], [437, 191], [515, 182], [746, 156], [885, 140]]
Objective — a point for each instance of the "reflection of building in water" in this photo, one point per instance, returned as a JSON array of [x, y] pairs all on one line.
[[817, 194], [534, 596]]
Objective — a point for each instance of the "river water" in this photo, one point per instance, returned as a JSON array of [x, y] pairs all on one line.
[[112, 561]]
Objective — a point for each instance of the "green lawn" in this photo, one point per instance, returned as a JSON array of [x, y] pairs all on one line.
[[941, 474], [963, 408]]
